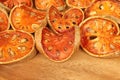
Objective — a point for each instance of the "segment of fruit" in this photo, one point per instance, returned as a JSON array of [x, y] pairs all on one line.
[[98, 36], [15, 46], [61, 22], [79, 3], [4, 23], [26, 18], [11, 3], [56, 47], [44, 5], [104, 8]]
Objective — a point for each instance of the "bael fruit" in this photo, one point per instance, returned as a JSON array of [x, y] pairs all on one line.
[[16, 46], [44, 5], [11, 3], [107, 8], [4, 22], [100, 37], [56, 47], [79, 3], [61, 22], [26, 18]]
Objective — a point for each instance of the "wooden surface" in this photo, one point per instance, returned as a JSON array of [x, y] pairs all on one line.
[[80, 66]]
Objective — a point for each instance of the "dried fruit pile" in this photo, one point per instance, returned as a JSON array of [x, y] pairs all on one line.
[[58, 28]]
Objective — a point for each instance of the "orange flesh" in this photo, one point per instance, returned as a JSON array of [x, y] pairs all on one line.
[[98, 36], [80, 3], [43, 5], [66, 21], [104, 8], [24, 17], [58, 47], [3, 21], [12, 3], [12, 47]]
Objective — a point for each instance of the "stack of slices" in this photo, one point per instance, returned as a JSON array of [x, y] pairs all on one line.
[[61, 27], [61, 39]]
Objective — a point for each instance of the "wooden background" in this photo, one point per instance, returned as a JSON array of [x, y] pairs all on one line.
[[80, 66]]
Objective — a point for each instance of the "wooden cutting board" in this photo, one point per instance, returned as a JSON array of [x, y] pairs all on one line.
[[80, 66]]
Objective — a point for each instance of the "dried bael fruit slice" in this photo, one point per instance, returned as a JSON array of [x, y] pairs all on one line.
[[57, 48], [44, 4], [98, 37], [61, 22], [4, 22], [26, 18], [15, 46], [104, 8], [11, 3], [79, 3]]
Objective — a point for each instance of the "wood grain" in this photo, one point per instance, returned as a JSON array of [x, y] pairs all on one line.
[[80, 66]]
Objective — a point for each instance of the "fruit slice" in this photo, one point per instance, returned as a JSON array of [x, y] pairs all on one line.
[[99, 37], [11, 3], [61, 22], [57, 48], [4, 23], [104, 8], [44, 4], [79, 3], [15, 46], [26, 18]]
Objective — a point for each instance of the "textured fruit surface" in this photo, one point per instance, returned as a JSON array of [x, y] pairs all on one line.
[[4, 23], [15, 45], [99, 36], [56, 47], [44, 5], [62, 22], [79, 3], [104, 8], [26, 18], [12, 3]]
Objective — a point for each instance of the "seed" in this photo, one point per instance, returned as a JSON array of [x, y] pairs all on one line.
[[11, 52], [18, 14], [57, 53], [1, 20], [6, 36], [35, 26], [93, 13], [70, 42], [112, 46], [46, 41], [23, 40], [21, 48], [32, 14], [50, 48], [65, 49], [14, 37]]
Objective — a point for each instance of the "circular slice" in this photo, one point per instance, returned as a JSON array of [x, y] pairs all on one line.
[[98, 37], [15, 46], [11, 3], [57, 48], [4, 22], [79, 3], [44, 4], [104, 8], [61, 22], [26, 18]]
